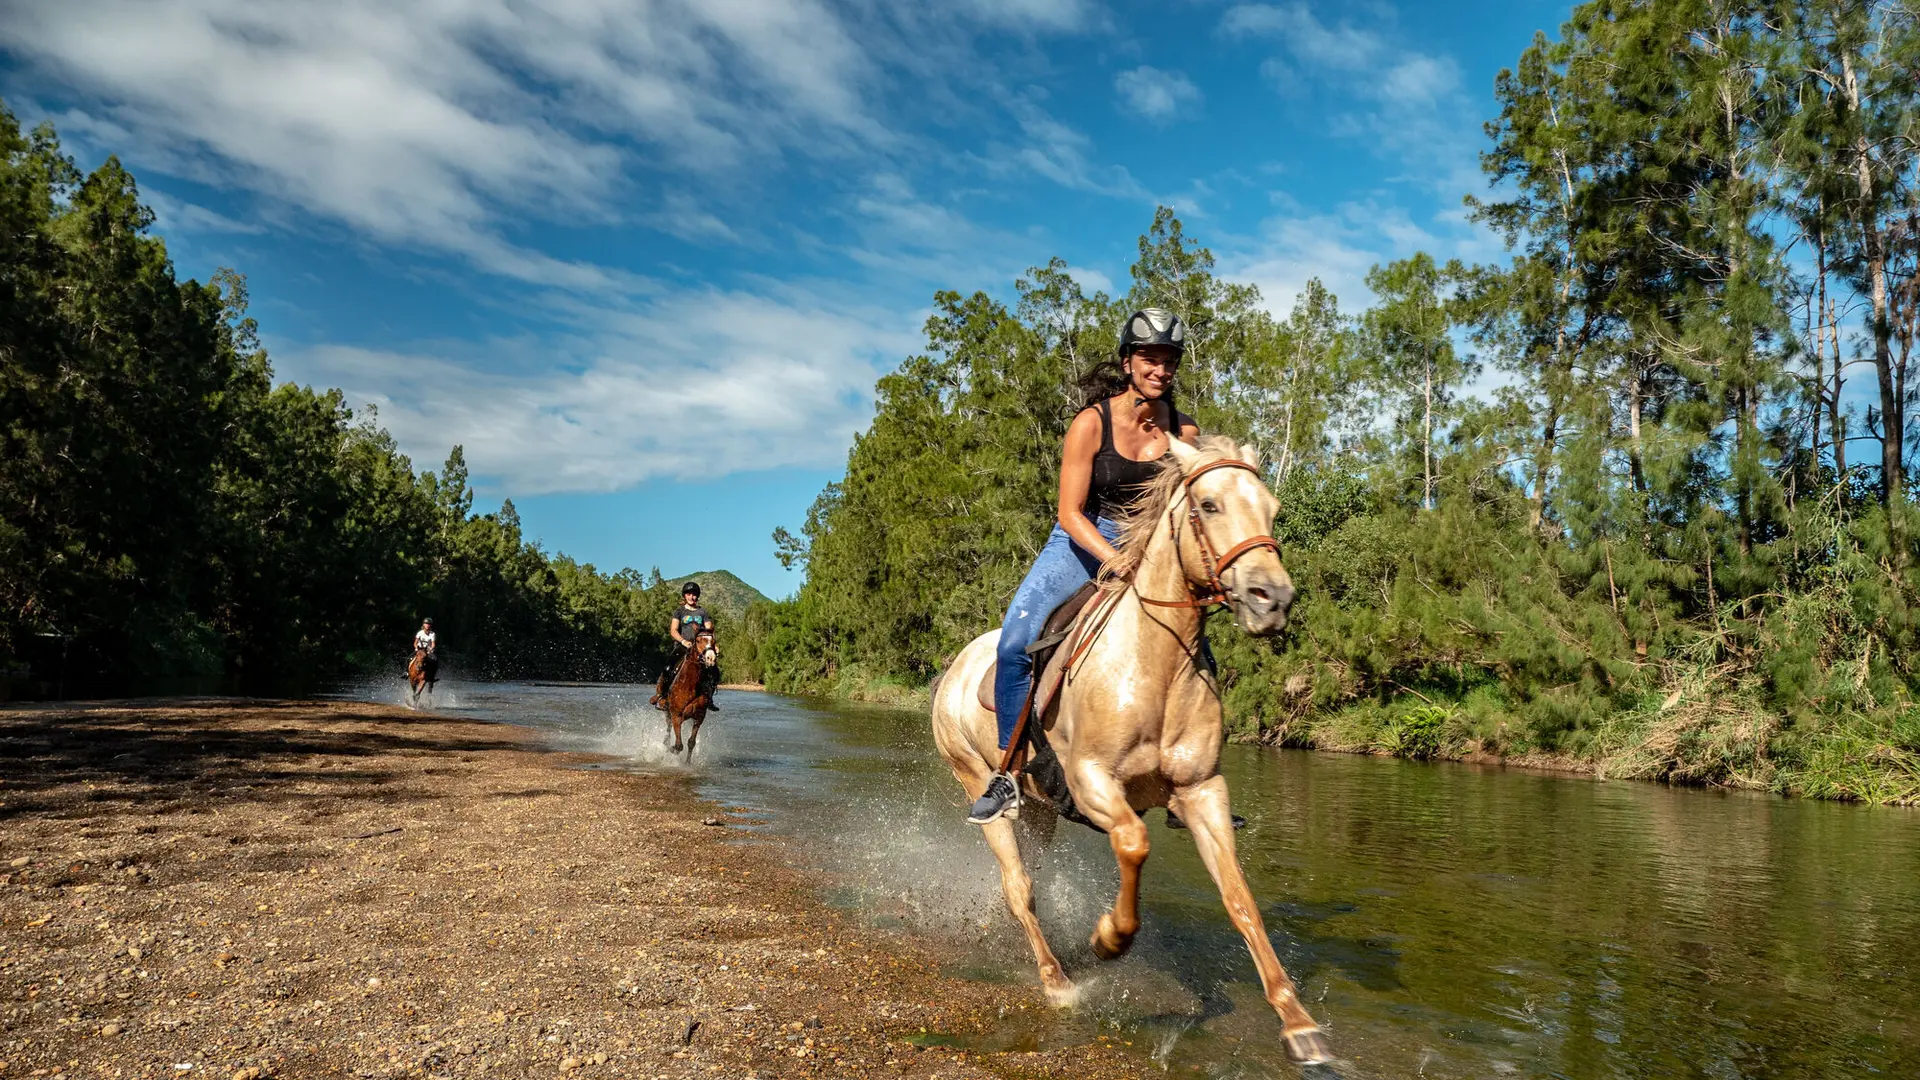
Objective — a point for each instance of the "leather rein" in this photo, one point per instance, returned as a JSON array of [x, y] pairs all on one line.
[[1216, 591]]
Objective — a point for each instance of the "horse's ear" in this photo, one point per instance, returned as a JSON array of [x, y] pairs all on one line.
[[1183, 454], [1250, 454]]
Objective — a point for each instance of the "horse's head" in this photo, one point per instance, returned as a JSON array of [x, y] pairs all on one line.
[[705, 649], [1231, 513]]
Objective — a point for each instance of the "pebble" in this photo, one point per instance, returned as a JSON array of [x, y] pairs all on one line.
[[569, 1064], [373, 984], [110, 1029], [20, 862]]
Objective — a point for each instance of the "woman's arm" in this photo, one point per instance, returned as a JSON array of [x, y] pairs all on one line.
[[673, 627], [1076, 476]]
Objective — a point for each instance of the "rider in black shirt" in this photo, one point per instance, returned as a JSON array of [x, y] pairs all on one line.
[[685, 624]]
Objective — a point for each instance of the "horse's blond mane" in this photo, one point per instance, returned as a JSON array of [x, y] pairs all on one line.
[[1142, 515]]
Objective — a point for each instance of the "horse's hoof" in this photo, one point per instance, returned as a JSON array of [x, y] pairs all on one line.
[[1308, 1048], [1108, 943], [1062, 995]]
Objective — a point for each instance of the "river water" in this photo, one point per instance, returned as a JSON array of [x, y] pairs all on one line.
[[1442, 920]]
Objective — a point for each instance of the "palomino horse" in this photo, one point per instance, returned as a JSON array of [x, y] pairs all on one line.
[[1137, 722], [418, 675], [686, 703]]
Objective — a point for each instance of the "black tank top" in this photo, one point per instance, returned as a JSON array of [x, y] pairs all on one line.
[[1117, 480]]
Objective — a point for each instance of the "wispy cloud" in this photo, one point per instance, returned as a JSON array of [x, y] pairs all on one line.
[[1394, 97], [692, 384], [1156, 95], [440, 125], [1059, 152], [171, 214], [1039, 14]]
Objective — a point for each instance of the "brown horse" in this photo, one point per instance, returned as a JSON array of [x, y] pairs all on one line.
[[686, 701], [1137, 722], [419, 675]]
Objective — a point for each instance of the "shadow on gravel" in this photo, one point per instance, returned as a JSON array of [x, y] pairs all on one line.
[[60, 761]]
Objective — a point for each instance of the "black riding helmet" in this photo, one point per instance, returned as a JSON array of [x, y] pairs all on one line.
[[1152, 326], [690, 587]]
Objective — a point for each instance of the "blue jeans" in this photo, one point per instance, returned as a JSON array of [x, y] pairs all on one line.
[[1063, 566]]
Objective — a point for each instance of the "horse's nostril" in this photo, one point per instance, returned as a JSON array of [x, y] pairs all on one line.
[[1260, 596]]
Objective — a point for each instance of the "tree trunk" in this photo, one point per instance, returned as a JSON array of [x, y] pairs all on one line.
[[1636, 398], [1426, 495], [1835, 419], [1874, 248], [1543, 462]]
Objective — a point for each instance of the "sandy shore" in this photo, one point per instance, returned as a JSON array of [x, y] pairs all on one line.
[[234, 888]]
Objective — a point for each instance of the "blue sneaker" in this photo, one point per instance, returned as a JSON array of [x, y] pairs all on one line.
[[1001, 799]]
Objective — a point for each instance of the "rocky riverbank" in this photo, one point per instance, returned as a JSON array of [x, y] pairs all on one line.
[[239, 888]]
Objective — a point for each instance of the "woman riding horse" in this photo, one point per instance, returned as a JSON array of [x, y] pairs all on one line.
[[1136, 721], [427, 642], [1112, 453], [688, 621]]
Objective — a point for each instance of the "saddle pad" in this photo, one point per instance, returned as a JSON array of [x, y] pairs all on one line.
[[1059, 630]]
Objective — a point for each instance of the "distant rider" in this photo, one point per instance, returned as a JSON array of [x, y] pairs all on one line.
[[428, 640], [1112, 454], [685, 625]]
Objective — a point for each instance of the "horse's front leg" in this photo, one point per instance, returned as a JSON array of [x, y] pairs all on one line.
[[1204, 808], [1104, 801], [694, 735], [673, 728]]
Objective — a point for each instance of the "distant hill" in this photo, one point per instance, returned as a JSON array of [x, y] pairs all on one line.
[[722, 593]]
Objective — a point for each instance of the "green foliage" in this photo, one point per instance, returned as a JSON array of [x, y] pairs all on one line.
[[166, 512]]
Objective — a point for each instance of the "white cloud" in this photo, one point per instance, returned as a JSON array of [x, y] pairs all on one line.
[[171, 214], [1038, 14], [1393, 97], [1154, 94], [1062, 154], [1342, 48], [441, 125], [1092, 281], [679, 214], [691, 385]]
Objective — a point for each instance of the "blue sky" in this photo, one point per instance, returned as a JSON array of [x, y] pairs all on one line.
[[644, 259]]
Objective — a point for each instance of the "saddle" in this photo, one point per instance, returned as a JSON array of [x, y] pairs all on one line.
[[1048, 659]]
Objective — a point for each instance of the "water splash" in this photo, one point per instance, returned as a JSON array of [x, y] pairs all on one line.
[[638, 734]]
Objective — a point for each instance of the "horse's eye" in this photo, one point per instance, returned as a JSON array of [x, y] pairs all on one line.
[[1208, 506]]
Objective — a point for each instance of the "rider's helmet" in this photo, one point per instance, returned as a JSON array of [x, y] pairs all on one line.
[[426, 622], [1152, 326], [690, 587]]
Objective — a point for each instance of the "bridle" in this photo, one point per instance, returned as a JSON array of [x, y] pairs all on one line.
[[1216, 591], [1092, 621]]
